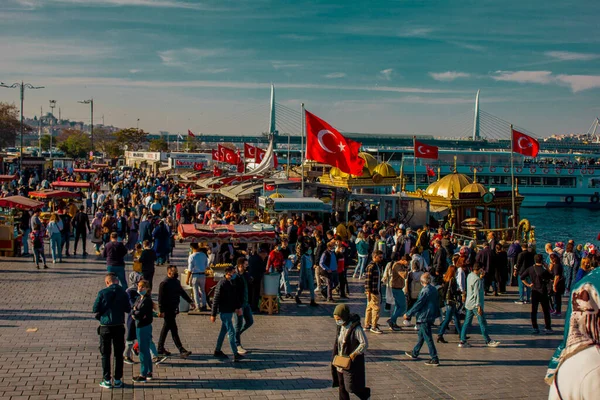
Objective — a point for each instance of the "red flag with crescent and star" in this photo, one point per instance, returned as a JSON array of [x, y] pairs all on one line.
[[215, 155], [325, 144], [227, 155], [524, 144], [423, 150], [249, 151], [190, 134]]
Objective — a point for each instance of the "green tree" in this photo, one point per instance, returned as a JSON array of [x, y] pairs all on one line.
[[9, 124], [45, 142], [113, 150], [132, 138], [159, 144], [74, 143]]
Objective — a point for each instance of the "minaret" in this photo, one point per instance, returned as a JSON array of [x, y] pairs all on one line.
[[476, 135]]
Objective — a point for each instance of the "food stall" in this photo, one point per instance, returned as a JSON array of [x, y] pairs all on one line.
[[67, 185], [11, 207], [235, 234]]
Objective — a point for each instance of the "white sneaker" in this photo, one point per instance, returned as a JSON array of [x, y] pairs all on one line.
[[493, 343], [241, 350], [406, 322], [416, 328]]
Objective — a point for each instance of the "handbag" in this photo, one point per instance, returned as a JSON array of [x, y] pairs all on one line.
[[342, 362]]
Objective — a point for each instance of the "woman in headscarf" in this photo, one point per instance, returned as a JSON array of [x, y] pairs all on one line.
[[573, 372], [350, 342], [162, 242], [97, 229]]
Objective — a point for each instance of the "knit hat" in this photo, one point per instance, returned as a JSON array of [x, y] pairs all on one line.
[[342, 311]]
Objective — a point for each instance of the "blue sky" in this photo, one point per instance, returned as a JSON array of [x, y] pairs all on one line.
[[406, 67]]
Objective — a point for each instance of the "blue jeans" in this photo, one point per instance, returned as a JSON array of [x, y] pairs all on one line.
[[425, 336], [360, 268], [120, 273], [285, 281], [523, 289], [55, 242], [247, 319], [399, 304], [450, 313], [144, 337], [569, 273], [227, 328], [26, 233], [38, 254], [482, 325]]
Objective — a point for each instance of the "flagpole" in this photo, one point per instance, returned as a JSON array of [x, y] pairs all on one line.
[[512, 177], [414, 163], [302, 150]]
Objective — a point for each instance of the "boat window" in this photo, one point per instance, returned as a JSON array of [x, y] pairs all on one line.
[[550, 181], [536, 181], [566, 182], [594, 183]]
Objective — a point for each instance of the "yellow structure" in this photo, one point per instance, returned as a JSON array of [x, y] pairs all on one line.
[[467, 206], [374, 175]]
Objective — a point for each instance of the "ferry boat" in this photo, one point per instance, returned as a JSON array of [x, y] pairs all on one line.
[[550, 180]]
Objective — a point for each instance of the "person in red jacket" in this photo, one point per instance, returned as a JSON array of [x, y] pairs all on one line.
[[275, 261]]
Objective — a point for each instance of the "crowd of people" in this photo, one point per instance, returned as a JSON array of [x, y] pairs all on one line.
[[417, 272]]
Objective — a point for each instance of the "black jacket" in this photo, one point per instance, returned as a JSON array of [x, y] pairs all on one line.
[[143, 311], [257, 266], [524, 261], [169, 292], [147, 258], [228, 297], [115, 253], [81, 221], [111, 305]]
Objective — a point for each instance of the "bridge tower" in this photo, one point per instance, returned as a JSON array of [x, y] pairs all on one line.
[[476, 133]]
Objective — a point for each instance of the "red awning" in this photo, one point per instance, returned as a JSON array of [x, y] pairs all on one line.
[[71, 184], [225, 233], [85, 171], [100, 165], [20, 202], [7, 178], [55, 194]]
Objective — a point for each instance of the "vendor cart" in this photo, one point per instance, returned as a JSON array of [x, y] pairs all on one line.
[[9, 241], [219, 234]]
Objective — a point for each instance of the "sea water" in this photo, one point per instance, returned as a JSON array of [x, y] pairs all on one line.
[[562, 224]]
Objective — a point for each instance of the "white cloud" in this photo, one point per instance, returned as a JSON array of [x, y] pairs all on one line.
[[134, 71], [335, 75], [298, 38], [580, 82], [284, 65], [33, 4], [187, 56], [386, 74], [571, 56], [542, 77], [448, 76], [468, 46], [415, 32]]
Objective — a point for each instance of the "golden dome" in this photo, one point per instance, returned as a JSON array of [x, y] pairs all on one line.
[[276, 195], [370, 162], [474, 188], [449, 186], [335, 172], [386, 170]]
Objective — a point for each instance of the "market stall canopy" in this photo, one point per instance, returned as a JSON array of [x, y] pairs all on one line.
[[258, 233], [85, 171], [300, 204], [55, 194], [7, 178], [20, 202], [100, 165], [71, 184]]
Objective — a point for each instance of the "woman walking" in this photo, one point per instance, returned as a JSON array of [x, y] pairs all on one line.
[[450, 297], [37, 239], [143, 314], [55, 226], [348, 363], [97, 230], [362, 249]]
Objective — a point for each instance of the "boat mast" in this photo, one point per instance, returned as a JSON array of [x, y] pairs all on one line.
[[476, 135]]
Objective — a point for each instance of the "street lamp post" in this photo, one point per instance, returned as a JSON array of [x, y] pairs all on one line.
[[52, 105], [91, 103], [22, 86]]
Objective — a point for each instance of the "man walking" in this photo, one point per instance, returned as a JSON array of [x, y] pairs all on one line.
[[373, 291], [81, 225], [328, 265], [197, 264], [539, 278], [226, 301], [169, 292], [242, 282], [427, 309], [115, 253], [110, 307], [474, 304]]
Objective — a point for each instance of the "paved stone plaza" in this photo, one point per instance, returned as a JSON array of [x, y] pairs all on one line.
[[49, 349]]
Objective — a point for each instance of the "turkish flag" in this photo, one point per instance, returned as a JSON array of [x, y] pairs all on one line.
[[430, 171], [190, 134], [240, 166], [217, 171], [325, 144], [269, 188], [215, 155], [423, 150], [524, 144], [249, 151], [228, 155], [198, 166]]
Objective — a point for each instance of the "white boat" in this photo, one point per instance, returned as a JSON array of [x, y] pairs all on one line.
[[551, 180]]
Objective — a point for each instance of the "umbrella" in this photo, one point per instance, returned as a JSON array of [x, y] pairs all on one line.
[[55, 194], [20, 202]]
